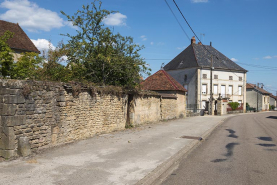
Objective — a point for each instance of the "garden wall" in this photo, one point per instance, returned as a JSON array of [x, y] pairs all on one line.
[[46, 114]]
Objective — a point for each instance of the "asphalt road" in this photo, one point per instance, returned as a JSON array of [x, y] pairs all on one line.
[[241, 151]]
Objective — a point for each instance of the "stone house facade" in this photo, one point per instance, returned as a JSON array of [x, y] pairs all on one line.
[[192, 69]]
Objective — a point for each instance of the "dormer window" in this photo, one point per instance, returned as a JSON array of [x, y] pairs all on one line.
[[204, 76], [215, 76], [230, 77]]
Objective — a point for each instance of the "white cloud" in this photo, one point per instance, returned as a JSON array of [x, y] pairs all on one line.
[[161, 44], [199, 1], [152, 43], [234, 59], [268, 57], [30, 16], [116, 19], [143, 37], [181, 48], [43, 45]]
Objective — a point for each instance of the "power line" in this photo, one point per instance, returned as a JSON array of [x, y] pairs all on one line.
[[177, 20], [186, 20]]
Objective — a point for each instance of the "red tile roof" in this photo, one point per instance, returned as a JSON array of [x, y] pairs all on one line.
[[19, 40], [253, 86], [161, 81]]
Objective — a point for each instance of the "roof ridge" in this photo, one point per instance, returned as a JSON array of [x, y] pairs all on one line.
[[169, 79]]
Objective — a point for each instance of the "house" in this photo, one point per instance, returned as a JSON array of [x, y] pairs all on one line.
[[20, 42], [192, 69], [257, 97], [173, 94], [272, 100]]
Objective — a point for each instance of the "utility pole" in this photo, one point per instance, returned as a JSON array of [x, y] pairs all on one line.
[[211, 88]]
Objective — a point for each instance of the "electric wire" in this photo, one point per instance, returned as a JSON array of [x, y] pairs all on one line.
[[177, 20]]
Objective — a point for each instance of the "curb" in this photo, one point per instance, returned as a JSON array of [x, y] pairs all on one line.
[[160, 173]]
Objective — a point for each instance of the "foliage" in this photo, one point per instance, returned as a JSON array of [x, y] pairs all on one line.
[[247, 104], [52, 69], [272, 107], [98, 55], [6, 58], [27, 66], [233, 105]]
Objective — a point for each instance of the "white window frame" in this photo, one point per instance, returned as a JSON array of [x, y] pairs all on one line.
[[215, 89], [230, 93], [204, 89], [223, 94], [240, 90]]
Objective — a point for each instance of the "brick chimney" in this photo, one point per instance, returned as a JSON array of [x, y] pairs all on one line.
[[193, 40]]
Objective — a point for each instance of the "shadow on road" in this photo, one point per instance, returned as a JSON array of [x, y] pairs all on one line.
[[272, 117]]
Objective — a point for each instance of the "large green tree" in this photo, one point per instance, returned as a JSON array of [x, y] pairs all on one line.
[[98, 55], [6, 57]]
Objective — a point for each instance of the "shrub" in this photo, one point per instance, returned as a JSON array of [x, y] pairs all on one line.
[[233, 105]]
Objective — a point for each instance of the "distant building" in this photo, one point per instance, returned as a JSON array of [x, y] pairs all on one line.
[[192, 68], [257, 97], [20, 42]]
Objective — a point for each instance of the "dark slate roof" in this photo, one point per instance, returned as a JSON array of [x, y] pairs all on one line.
[[19, 40], [196, 55], [253, 86], [161, 81]]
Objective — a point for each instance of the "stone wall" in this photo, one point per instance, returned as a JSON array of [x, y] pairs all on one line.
[[46, 114], [146, 109], [173, 107]]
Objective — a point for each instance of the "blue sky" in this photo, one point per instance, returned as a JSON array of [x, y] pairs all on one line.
[[243, 30]]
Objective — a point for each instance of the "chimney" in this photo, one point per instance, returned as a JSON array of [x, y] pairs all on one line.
[[210, 43], [193, 40], [199, 43]]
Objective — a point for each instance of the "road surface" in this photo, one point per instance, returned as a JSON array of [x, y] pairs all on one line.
[[241, 151]]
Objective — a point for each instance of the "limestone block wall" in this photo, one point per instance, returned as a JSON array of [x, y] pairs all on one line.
[[172, 108], [147, 109], [47, 114]]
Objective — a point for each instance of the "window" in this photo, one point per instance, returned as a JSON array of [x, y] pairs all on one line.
[[215, 88], [215, 76], [240, 78], [230, 90], [230, 77], [240, 102], [223, 92], [205, 76], [240, 90], [204, 89]]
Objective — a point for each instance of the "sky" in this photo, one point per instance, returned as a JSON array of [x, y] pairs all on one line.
[[243, 30]]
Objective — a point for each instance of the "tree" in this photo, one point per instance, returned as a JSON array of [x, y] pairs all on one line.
[[52, 69], [27, 66], [100, 56], [6, 58]]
